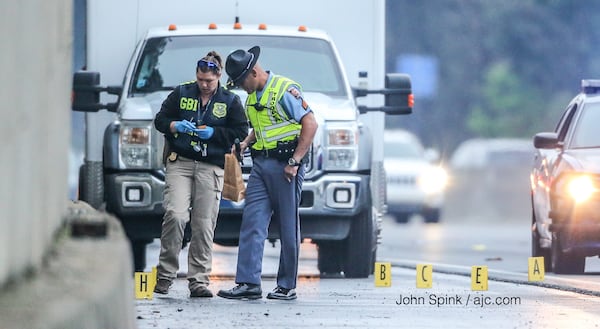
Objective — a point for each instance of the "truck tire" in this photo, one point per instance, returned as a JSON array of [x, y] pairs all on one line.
[[565, 262], [91, 184], [138, 249], [358, 260], [329, 255]]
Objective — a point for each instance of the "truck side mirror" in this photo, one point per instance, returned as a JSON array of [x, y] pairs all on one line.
[[86, 93], [398, 97]]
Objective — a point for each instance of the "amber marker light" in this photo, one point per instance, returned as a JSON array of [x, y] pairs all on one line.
[[172, 27]]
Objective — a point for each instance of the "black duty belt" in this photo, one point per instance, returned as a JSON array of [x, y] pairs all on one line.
[[272, 153], [282, 152]]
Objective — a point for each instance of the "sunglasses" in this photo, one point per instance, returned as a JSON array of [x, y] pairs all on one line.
[[208, 65]]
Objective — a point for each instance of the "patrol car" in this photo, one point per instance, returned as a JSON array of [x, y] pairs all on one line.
[[565, 186]]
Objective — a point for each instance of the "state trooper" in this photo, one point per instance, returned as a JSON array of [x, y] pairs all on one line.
[[283, 127], [200, 120]]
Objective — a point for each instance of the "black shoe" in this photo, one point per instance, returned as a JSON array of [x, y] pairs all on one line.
[[200, 291], [242, 291], [162, 286], [282, 293]]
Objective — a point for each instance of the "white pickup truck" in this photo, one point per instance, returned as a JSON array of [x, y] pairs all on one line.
[[344, 189]]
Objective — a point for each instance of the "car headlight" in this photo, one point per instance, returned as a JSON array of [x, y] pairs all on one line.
[[581, 188], [433, 180], [341, 147], [134, 144]]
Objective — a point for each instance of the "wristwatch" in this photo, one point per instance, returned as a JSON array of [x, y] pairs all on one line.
[[293, 163]]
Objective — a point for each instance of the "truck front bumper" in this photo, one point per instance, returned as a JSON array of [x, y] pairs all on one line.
[[136, 199], [327, 208]]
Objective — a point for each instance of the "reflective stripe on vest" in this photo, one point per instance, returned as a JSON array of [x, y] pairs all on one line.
[[271, 124]]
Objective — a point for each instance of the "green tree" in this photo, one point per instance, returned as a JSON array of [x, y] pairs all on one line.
[[506, 67], [508, 107]]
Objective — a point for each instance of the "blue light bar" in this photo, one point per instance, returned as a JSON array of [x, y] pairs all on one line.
[[589, 86]]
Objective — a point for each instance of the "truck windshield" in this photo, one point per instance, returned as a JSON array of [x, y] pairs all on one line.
[[168, 61]]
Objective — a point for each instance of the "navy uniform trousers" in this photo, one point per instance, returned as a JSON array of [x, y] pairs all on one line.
[[270, 195]]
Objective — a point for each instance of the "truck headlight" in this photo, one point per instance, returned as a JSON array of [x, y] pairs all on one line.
[[134, 144], [341, 147]]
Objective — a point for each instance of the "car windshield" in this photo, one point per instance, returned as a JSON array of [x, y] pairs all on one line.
[[586, 133], [168, 61], [402, 150]]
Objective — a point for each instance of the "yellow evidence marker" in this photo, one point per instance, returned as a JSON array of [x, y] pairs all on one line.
[[536, 269], [424, 275], [479, 278], [144, 284], [383, 274]]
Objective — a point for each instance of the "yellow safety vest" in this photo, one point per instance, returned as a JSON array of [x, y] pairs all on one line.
[[269, 120]]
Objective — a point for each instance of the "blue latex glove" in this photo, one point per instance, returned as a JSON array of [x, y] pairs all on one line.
[[184, 126], [205, 133]]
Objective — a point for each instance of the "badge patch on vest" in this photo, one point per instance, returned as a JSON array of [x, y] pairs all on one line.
[[219, 110]]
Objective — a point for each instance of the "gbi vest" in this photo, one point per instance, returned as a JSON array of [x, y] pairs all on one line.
[[270, 121], [188, 144]]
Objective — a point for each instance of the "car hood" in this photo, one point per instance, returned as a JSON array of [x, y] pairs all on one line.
[[405, 166], [587, 160]]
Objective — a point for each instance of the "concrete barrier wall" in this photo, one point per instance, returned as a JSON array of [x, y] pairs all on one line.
[[85, 283], [49, 277], [35, 84]]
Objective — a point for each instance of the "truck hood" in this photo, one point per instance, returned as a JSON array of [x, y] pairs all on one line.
[[326, 107], [331, 108], [142, 108]]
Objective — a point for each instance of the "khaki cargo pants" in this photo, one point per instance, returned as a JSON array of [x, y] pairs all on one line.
[[198, 185]]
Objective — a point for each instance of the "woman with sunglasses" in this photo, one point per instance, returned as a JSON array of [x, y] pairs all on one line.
[[200, 121]]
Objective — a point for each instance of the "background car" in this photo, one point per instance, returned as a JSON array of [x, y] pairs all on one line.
[[487, 180], [415, 184], [565, 186]]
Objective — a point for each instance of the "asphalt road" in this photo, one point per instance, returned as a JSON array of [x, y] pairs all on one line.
[[452, 248], [336, 303], [476, 230]]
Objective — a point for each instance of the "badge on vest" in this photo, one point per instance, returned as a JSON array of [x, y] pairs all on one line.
[[219, 110]]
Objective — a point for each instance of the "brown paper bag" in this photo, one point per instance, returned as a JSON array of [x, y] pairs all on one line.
[[233, 183]]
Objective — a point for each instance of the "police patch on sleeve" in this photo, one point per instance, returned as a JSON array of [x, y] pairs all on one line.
[[296, 93]]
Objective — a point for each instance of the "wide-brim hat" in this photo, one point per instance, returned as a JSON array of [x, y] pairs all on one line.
[[240, 62]]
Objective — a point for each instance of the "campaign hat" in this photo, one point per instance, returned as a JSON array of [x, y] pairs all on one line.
[[240, 62]]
